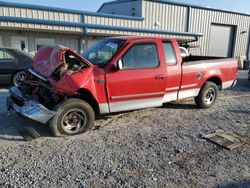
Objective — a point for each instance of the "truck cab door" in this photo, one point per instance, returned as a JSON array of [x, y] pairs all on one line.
[[173, 70], [140, 81]]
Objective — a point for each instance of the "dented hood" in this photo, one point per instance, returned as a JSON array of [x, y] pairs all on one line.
[[49, 58]]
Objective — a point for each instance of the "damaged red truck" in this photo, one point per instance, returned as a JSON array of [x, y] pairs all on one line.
[[67, 90]]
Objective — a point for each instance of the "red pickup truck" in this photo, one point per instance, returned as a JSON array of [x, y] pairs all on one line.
[[66, 90]]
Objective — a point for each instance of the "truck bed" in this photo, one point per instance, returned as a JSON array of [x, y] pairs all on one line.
[[199, 58], [205, 59]]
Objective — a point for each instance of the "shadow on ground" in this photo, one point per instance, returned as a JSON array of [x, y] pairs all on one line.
[[15, 128], [180, 105], [243, 84], [247, 112], [236, 184]]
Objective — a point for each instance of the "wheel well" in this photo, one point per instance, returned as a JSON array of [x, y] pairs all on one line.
[[87, 96], [217, 81]]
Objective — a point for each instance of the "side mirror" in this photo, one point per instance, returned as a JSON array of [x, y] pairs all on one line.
[[119, 65]]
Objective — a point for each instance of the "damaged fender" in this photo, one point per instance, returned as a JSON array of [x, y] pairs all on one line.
[[58, 73]]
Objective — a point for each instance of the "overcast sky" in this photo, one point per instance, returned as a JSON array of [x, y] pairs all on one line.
[[93, 5]]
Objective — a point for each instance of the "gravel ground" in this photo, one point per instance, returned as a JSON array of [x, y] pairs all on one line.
[[155, 147]]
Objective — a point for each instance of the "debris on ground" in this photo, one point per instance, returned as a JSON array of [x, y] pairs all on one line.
[[226, 139]]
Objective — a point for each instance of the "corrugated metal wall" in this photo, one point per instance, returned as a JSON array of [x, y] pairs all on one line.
[[164, 17], [124, 23], [157, 16], [186, 19], [201, 21], [39, 14], [71, 41], [90, 19], [147, 23], [80, 17]]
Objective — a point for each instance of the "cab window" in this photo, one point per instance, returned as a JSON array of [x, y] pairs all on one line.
[[103, 51], [142, 55], [169, 53]]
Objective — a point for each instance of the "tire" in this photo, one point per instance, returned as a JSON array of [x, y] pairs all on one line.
[[18, 77], [73, 117], [207, 96]]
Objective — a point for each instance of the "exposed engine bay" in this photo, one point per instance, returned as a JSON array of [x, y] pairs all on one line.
[[71, 64], [50, 65], [37, 89]]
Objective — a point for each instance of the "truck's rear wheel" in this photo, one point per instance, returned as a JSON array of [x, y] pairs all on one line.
[[207, 96], [73, 117]]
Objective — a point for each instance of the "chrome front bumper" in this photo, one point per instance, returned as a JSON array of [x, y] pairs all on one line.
[[28, 108]]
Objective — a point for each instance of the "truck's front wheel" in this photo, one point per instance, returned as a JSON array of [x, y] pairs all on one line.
[[207, 96], [73, 117]]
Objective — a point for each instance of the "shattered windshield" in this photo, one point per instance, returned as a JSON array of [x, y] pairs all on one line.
[[103, 51]]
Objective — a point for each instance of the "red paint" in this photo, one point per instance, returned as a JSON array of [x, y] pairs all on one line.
[[104, 82], [49, 58]]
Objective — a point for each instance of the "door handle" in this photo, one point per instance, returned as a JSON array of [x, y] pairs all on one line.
[[160, 77]]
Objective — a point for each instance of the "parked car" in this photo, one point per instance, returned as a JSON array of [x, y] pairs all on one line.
[[248, 69], [13, 64], [116, 74]]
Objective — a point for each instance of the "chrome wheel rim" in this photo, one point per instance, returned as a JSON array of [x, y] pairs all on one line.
[[73, 121], [210, 96], [19, 78]]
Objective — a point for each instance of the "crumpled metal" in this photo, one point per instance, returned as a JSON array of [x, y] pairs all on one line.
[[48, 59]]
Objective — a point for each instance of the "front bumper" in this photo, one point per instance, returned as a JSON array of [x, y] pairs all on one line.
[[28, 108]]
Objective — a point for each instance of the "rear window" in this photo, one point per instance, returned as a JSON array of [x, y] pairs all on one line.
[[5, 55]]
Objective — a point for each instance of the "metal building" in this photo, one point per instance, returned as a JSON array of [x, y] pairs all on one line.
[[216, 32]]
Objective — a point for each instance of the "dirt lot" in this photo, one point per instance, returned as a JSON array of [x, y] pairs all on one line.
[[156, 147]]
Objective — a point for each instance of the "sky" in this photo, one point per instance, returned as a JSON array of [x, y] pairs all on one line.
[[93, 5]]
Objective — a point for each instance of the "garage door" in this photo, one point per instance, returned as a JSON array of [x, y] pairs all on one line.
[[221, 40]]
